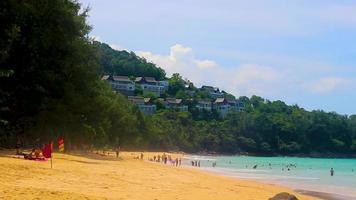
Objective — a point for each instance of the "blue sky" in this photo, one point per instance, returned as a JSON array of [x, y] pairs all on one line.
[[302, 52]]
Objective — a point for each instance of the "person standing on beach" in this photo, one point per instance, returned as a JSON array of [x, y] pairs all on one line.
[[117, 151], [214, 164], [141, 156], [332, 172], [18, 145]]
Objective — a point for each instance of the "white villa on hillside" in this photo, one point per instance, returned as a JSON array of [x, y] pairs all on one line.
[[172, 103], [204, 105], [223, 106], [120, 84], [145, 105], [213, 92], [150, 85]]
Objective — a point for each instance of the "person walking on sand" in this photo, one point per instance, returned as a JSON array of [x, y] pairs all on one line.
[[332, 172], [117, 151], [18, 146], [141, 156], [179, 161]]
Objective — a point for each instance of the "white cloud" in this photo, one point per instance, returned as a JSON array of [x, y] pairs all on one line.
[[251, 79], [182, 60], [246, 79], [328, 84], [249, 72], [206, 64], [96, 38], [117, 47]]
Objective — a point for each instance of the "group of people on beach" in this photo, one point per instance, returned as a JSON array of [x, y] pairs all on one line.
[[196, 163], [166, 159], [36, 152], [287, 167], [290, 166]]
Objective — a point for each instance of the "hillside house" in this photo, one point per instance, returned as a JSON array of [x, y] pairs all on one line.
[[121, 84], [204, 105], [150, 85], [145, 105], [223, 106], [177, 104], [213, 92]]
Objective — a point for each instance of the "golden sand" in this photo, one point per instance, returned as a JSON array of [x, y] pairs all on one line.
[[93, 176]]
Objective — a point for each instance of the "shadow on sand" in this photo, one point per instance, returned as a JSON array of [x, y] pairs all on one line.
[[93, 156]]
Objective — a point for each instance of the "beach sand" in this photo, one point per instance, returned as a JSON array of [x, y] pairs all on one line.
[[92, 176]]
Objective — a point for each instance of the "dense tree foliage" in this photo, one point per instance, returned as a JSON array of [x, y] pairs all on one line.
[[125, 63], [50, 86], [49, 78], [265, 128]]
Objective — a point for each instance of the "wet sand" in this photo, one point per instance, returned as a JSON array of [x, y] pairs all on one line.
[[324, 195]]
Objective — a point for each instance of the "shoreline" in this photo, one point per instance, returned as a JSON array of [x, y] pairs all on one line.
[[92, 176], [324, 195], [312, 191]]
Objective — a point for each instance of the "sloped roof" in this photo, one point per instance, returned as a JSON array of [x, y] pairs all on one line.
[[138, 79], [210, 88], [147, 100], [122, 78], [150, 79], [204, 102], [146, 79], [136, 99], [220, 100], [206, 87], [174, 101], [105, 77]]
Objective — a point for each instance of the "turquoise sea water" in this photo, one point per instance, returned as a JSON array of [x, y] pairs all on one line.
[[311, 174]]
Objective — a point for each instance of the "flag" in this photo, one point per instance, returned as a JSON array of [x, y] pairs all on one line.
[[61, 144], [47, 150]]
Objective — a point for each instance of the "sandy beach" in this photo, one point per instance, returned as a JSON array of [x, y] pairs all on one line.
[[92, 176]]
